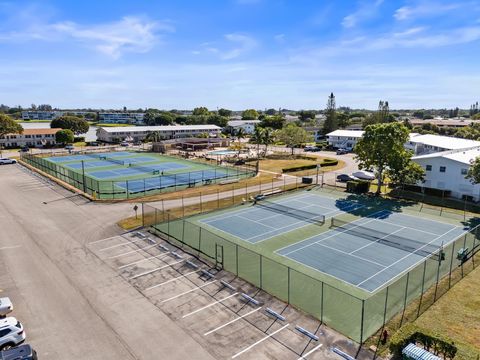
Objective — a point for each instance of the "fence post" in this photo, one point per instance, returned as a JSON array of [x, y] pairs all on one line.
[[361, 325], [423, 287], [236, 258], [143, 215], [183, 207], [321, 306], [405, 298], [288, 284], [451, 265], [261, 272]]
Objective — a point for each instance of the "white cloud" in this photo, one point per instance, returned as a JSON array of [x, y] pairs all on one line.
[[366, 10], [244, 44], [279, 38], [424, 9]]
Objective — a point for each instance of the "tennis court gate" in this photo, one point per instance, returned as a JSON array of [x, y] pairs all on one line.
[[342, 307], [108, 190]]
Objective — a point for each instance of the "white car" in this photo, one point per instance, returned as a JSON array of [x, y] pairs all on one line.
[[11, 333], [6, 161], [6, 306], [364, 175]]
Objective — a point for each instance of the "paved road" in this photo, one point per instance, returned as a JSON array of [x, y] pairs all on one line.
[[73, 306]]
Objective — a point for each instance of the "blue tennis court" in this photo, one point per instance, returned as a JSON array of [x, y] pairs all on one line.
[[132, 171], [373, 250], [165, 181], [62, 159], [258, 223]]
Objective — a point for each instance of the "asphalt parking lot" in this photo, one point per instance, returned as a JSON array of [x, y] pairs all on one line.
[[85, 290]]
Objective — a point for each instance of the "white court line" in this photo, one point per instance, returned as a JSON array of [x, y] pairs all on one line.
[[189, 291], [335, 233], [350, 254], [408, 227], [231, 322], [209, 305], [311, 351], [142, 260], [154, 270], [131, 252], [10, 247], [376, 241], [169, 281], [259, 341], [117, 245], [106, 239], [401, 259]]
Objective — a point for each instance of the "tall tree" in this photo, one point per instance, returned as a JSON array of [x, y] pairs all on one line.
[[473, 173], [274, 122], [9, 126], [257, 138], [202, 110], [250, 114], [154, 136], [306, 115], [293, 136], [382, 148], [331, 123], [224, 112], [268, 138], [383, 112], [64, 136], [76, 124]]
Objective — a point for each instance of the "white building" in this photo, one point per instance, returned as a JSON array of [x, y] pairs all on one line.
[[344, 139], [139, 133], [316, 131], [121, 118], [41, 115], [30, 138], [248, 126], [447, 170], [427, 144]]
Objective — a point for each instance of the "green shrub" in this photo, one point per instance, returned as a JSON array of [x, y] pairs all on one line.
[[358, 186], [299, 168], [329, 162]]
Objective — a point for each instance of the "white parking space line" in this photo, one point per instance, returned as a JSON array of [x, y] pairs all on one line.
[[231, 322], [311, 351], [259, 341], [10, 247], [154, 270], [131, 252], [142, 260], [106, 239], [169, 281], [122, 244], [209, 305], [189, 291]]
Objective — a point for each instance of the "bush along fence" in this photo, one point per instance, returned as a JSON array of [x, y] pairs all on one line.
[[358, 315]]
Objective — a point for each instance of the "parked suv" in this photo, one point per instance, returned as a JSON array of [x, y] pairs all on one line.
[[6, 307], [342, 151], [22, 352], [11, 333], [5, 161]]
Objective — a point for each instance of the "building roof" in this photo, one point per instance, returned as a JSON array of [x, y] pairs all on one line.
[[234, 123], [347, 133], [444, 142], [125, 129], [40, 131], [464, 156], [444, 122]]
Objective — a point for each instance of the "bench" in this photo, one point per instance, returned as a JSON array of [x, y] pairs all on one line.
[[272, 192], [230, 181]]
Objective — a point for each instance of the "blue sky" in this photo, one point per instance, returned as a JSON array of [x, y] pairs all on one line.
[[240, 53]]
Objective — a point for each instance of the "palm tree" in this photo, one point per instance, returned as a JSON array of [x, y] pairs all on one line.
[[154, 136], [257, 138], [267, 138], [240, 134]]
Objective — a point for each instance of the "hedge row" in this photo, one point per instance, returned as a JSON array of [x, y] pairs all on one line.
[[358, 186], [325, 162], [411, 333]]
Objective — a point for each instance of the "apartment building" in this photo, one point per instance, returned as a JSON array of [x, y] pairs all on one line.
[[30, 138]]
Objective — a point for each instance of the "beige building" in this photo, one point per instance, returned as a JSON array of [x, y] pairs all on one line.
[[30, 138]]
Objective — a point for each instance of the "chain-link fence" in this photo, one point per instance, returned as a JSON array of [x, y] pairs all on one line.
[[138, 187], [356, 316]]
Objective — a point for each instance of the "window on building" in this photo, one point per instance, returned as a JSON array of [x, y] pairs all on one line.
[[464, 171], [443, 168], [428, 168]]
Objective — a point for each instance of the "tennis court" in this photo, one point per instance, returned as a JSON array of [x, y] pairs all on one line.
[[373, 250], [125, 174], [269, 219]]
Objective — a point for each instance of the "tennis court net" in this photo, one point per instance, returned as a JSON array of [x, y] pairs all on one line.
[[144, 168], [388, 239], [293, 212], [115, 161]]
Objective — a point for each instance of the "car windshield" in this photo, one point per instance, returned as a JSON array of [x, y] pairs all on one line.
[[18, 325]]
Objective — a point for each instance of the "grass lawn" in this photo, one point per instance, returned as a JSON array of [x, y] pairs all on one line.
[[457, 313], [276, 165]]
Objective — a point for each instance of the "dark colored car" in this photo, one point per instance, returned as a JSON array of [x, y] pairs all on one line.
[[22, 352], [342, 151], [345, 178], [24, 149]]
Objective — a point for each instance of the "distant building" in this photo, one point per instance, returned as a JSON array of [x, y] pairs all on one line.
[[344, 139], [426, 144], [453, 123], [41, 115], [248, 126], [139, 133], [316, 131], [30, 138], [447, 170], [121, 118]]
